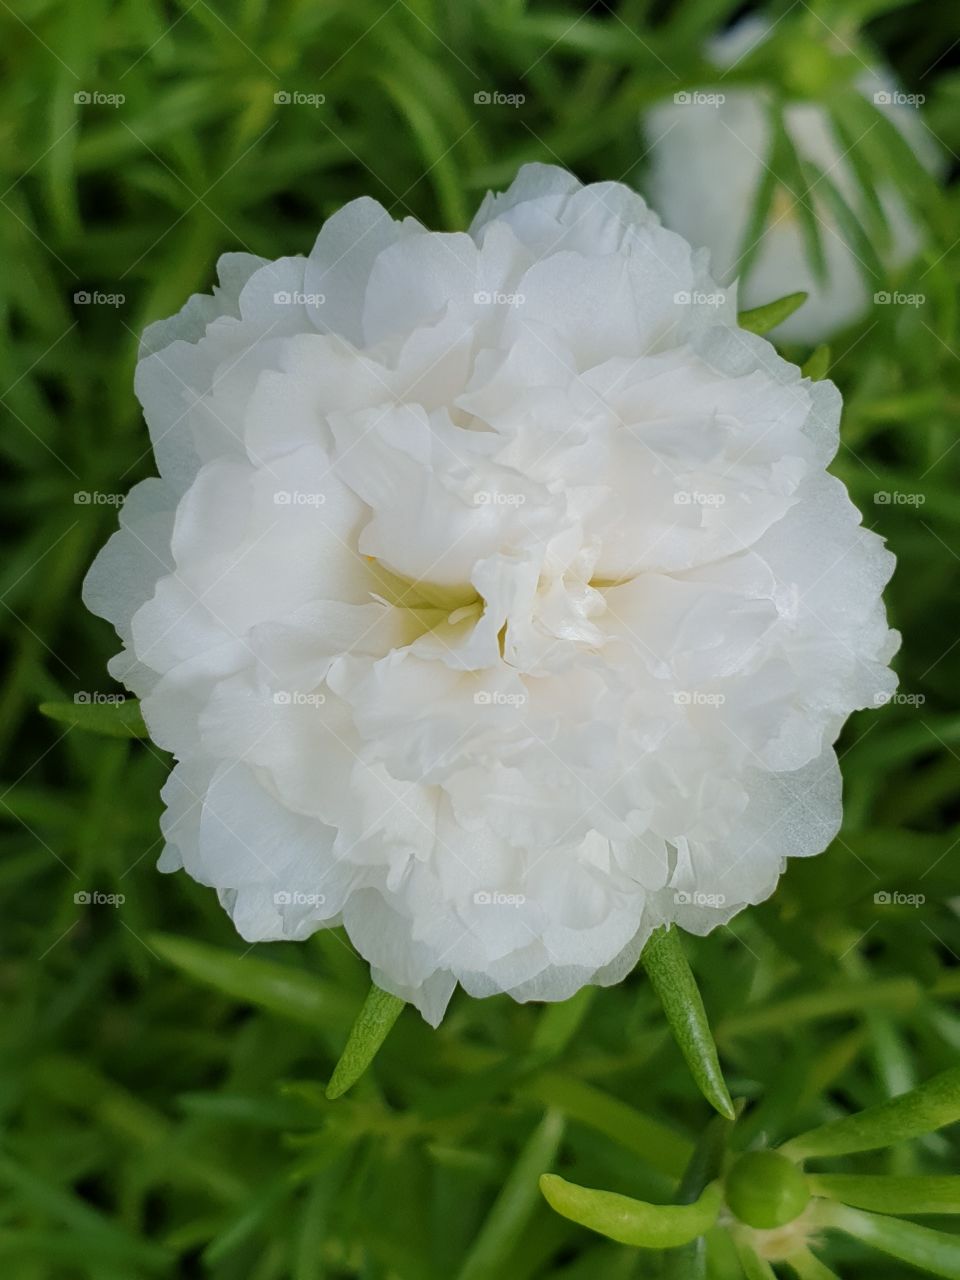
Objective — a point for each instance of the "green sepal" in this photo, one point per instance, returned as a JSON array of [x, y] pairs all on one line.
[[817, 364], [761, 320], [672, 979], [377, 1015]]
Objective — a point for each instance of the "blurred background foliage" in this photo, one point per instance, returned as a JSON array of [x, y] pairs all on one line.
[[161, 1085]]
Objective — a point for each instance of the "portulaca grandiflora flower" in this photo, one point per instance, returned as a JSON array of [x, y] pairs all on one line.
[[710, 152], [493, 595]]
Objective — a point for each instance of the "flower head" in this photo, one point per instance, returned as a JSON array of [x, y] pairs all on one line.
[[711, 151], [493, 596]]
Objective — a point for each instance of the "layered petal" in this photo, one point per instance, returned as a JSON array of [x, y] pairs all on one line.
[[494, 597]]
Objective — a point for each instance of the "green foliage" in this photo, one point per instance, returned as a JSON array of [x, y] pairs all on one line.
[[670, 976], [113, 719], [633, 1222], [163, 1101], [378, 1014], [762, 319], [932, 1105]]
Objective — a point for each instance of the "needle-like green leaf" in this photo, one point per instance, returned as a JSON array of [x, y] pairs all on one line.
[[376, 1017], [673, 981], [930, 1106], [281, 989], [650, 1140], [802, 206], [113, 719], [629, 1221], [890, 1193], [932, 1251], [754, 1267], [817, 363], [514, 1206], [762, 319], [807, 1267]]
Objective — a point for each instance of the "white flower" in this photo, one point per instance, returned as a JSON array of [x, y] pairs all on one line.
[[709, 158], [493, 596]]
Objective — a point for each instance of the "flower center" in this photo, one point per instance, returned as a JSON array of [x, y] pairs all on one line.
[[427, 601]]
